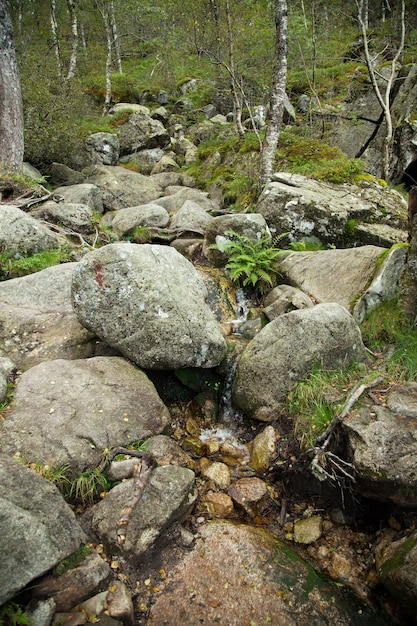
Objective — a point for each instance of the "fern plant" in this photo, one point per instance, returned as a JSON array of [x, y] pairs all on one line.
[[251, 262]]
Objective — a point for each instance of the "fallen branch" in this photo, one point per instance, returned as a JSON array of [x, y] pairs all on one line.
[[141, 476], [355, 394], [326, 465]]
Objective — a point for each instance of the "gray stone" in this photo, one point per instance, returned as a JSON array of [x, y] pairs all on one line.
[[167, 497], [238, 574], [142, 132], [149, 303], [37, 322], [304, 207], [75, 585], [191, 216], [149, 215], [21, 234], [60, 174], [76, 217], [357, 278], [84, 193], [144, 159], [69, 412], [283, 299], [383, 443], [308, 530], [38, 527], [396, 565], [103, 148], [121, 188], [285, 350]]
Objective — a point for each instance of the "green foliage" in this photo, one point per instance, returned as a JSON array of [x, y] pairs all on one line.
[[315, 401], [6, 402], [387, 326], [11, 267], [315, 158], [251, 262], [139, 234], [60, 476], [86, 488], [72, 560], [12, 614]]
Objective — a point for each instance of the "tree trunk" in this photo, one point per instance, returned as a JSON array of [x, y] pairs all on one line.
[[115, 35], [408, 284], [234, 88], [55, 41], [11, 110], [74, 30], [384, 99], [279, 78]]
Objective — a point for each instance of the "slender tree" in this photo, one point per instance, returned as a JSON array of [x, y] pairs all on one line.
[[383, 94], [55, 40], [276, 103], [74, 30], [11, 110]]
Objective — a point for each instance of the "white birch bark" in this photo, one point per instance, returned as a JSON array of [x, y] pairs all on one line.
[[74, 31], [55, 41], [115, 37], [279, 79]]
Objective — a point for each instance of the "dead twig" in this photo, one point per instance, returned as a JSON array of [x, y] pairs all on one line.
[[355, 394], [141, 476], [326, 465]]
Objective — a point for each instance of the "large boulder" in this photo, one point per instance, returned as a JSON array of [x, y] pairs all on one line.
[[141, 132], [38, 528], [23, 234], [103, 148], [77, 217], [148, 302], [305, 207], [84, 193], [357, 278], [149, 215], [37, 322], [68, 412], [237, 574], [167, 497], [121, 188], [382, 438], [287, 349]]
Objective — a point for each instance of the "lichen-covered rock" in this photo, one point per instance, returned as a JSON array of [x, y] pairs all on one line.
[[239, 575], [69, 412], [22, 234], [285, 350], [37, 322], [304, 207], [167, 497], [149, 303], [382, 438], [38, 528]]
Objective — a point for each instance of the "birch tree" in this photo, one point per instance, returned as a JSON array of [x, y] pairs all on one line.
[[11, 110], [276, 103], [74, 31], [383, 94]]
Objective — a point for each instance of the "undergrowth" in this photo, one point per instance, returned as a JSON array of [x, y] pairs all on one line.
[[11, 267]]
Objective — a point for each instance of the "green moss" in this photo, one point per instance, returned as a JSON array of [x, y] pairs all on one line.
[[71, 561], [398, 558]]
